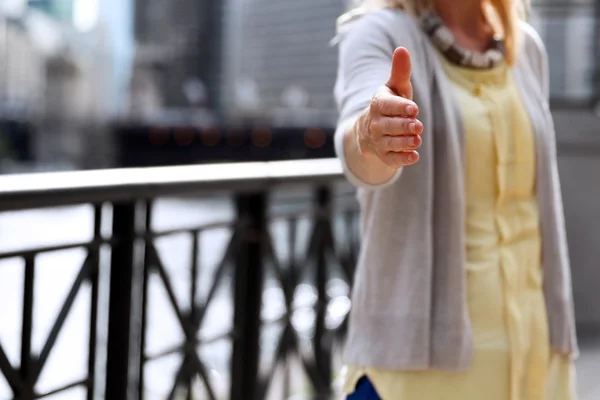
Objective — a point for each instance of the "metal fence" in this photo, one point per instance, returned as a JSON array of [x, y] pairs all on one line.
[[125, 198], [123, 248]]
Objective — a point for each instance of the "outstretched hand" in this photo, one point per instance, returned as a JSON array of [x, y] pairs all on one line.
[[389, 128]]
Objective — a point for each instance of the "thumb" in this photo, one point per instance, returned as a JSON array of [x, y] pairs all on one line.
[[399, 81]]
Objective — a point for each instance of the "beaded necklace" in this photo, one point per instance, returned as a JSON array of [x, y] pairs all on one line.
[[445, 41]]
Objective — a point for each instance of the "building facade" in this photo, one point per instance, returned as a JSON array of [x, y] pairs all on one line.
[[22, 72], [285, 43], [261, 59], [176, 55], [65, 69]]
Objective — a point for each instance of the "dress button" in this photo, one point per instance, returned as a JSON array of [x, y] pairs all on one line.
[[477, 91]]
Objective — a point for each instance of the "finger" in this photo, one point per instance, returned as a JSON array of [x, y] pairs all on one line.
[[400, 143], [399, 81], [401, 159], [393, 106], [396, 126]]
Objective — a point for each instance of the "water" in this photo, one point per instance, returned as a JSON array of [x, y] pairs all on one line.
[[56, 271]]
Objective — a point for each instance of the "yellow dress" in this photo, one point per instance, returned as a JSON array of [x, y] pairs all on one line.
[[512, 356]]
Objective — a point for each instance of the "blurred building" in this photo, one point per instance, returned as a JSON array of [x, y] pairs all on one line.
[[260, 59], [256, 59], [22, 72], [84, 62], [65, 68], [177, 65], [278, 55]]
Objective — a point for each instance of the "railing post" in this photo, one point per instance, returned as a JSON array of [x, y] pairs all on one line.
[[27, 360], [249, 271], [322, 339], [120, 303]]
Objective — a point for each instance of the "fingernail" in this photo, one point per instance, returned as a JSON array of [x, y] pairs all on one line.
[[413, 157], [410, 110], [412, 127], [413, 142]]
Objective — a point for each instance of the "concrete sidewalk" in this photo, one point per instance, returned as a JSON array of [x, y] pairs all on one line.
[[588, 368]]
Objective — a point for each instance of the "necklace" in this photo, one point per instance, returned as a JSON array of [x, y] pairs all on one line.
[[445, 41]]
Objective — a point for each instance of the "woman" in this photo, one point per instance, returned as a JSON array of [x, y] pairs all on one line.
[[463, 288]]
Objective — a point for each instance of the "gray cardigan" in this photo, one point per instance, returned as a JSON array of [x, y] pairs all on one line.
[[409, 308]]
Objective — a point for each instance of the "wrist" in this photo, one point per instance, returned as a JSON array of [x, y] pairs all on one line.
[[359, 133]]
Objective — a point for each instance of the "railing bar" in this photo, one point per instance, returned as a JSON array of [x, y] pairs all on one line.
[[64, 388], [248, 292], [193, 309], [345, 258], [186, 325], [188, 330], [190, 361], [90, 245], [10, 374], [287, 343], [194, 272], [198, 342], [338, 254], [181, 372], [155, 257], [201, 371], [280, 353], [350, 219], [279, 272], [93, 244], [123, 264], [206, 227], [128, 184], [232, 248], [178, 378], [165, 353], [93, 278], [144, 306], [26, 368], [312, 373], [197, 320], [322, 229], [61, 318], [205, 341], [292, 264], [286, 376]]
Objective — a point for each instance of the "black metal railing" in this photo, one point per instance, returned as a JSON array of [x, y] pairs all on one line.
[[126, 198]]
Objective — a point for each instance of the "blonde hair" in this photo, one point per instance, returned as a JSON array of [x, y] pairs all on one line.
[[505, 18]]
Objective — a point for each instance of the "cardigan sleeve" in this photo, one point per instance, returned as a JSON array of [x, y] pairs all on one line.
[[364, 64]]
